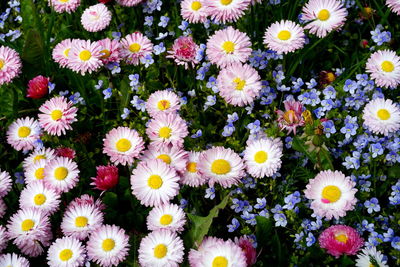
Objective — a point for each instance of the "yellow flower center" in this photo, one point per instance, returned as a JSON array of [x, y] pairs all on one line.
[[239, 83], [39, 157], [134, 48], [65, 254], [191, 167], [61, 173], [330, 77], [105, 53], [63, 1], [228, 47], [284, 35], [331, 193], [27, 225], [39, 173], [56, 114], [196, 5], [165, 132], [165, 158], [261, 157], [163, 104], [387, 66], [66, 52], [108, 244], [289, 115], [220, 166], [24, 131], [1, 64], [341, 238], [155, 181], [160, 251], [166, 219], [220, 261], [371, 265], [85, 55], [383, 114], [39, 199], [81, 221], [123, 145], [324, 15], [226, 2]]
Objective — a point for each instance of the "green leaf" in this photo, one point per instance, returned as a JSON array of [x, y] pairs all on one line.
[[299, 145], [33, 50], [125, 95], [7, 101], [263, 230], [110, 199], [394, 172]]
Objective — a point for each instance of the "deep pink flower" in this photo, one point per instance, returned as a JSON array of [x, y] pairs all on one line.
[[107, 177], [184, 51], [291, 118], [65, 152], [38, 87], [247, 247]]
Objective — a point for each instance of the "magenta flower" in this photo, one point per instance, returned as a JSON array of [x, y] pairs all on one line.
[[291, 118], [184, 51]]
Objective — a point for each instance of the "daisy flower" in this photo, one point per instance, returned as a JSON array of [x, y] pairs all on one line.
[[3, 238], [66, 252], [35, 172], [228, 46], [110, 50], [134, 47], [5, 183], [37, 195], [10, 64], [23, 133], [332, 194], [3, 208], [106, 178], [61, 52], [323, 16], [381, 116], [167, 129], [123, 145], [108, 245], [221, 165], [161, 248], [191, 176], [61, 174], [38, 155], [162, 102], [168, 216], [371, 257], [184, 51], [394, 5], [85, 200], [81, 220], [226, 10], [154, 182], [68, 6], [284, 37], [96, 18], [239, 84], [129, 3], [84, 56], [263, 158], [195, 256], [174, 156], [384, 68], [340, 239], [194, 11], [57, 115], [13, 260]]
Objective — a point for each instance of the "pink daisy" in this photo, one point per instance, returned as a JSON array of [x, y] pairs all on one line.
[[340, 239], [96, 18], [162, 102], [5, 183], [194, 11], [3, 208], [226, 10], [61, 174], [23, 133], [291, 117], [129, 3], [123, 145], [239, 84], [195, 256], [284, 36], [184, 51], [68, 6], [134, 47], [394, 5], [228, 46], [57, 115], [110, 50], [84, 56], [191, 176], [167, 129], [61, 52], [174, 156], [384, 68], [10, 64]]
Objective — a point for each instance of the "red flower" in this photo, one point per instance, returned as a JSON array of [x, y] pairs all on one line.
[[245, 244], [65, 152], [38, 87], [107, 177], [105, 1]]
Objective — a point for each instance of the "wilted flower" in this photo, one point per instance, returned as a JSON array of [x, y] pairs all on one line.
[[291, 118]]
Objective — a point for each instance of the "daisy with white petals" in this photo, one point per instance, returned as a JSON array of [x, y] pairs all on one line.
[[382, 116], [174, 156], [66, 252], [61, 174], [68, 6], [384, 68], [225, 253], [96, 18], [284, 36], [13, 259], [23, 133], [84, 56], [191, 176], [134, 47], [226, 10], [37, 195], [162, 102], [194, 11], [168, 216], [10, 64], [61, 52], [35, 156], [35, 172], [5, 183], [371, 257]]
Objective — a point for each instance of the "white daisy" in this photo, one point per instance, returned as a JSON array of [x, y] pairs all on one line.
[[5, 183], [162, 102], [61, 174], [168, 216], [192, 176], [23, 133], [384, 68], [9, 259], [35, 172], [370, 257], [174, 156], [66, 252], [381, 116], [44, 153], [37, 195], [223, 254], [3, 238]]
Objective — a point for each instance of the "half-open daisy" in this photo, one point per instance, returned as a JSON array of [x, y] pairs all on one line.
[[174, 156], [10, 64], [226, 10], [66, 252], [194, 11], [37, 195], [96, 18], [167, 129], [384, 68], [284, 36], [134, 47], [168, 216], [162, 102], [382, 116], [191, 176], [23, 133], [61, 174]]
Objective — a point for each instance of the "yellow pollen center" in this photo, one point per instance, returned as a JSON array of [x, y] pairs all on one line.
[[155, 181], [196, 5], [108, 244], [163, 104], [261, 157], [105, 53], [39, 157], [383, 114], [228, 47], [330, 77], [220, 261], [288, 115], [165, 132], [226, 2], [85, 55], [66, 52], [65, 254], [191, 167], [56, 114], [387, 66], [324, 15], [27, 225], [160, 251], [284, 35], [24, 131], [371, 265], [1, 64], [39, 199], [61, 173], [239, 83], [81, 221], [123, 145], [63, 1], [220, 166], [134, 48], [165, 158], [341, 238], [331, 193], [166, 219], [39, 173]]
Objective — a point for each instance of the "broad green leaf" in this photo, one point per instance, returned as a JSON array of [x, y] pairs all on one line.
[[6, 101], [125, 95], [263, 230]]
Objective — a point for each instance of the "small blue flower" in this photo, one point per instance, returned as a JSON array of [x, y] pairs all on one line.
[[310, 239], [198, 134], [163, 21], [372, 205], [125, 114], [280, 219], [160, 48], [210, 193], [107, 93], [235, 225], [148, 20]]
